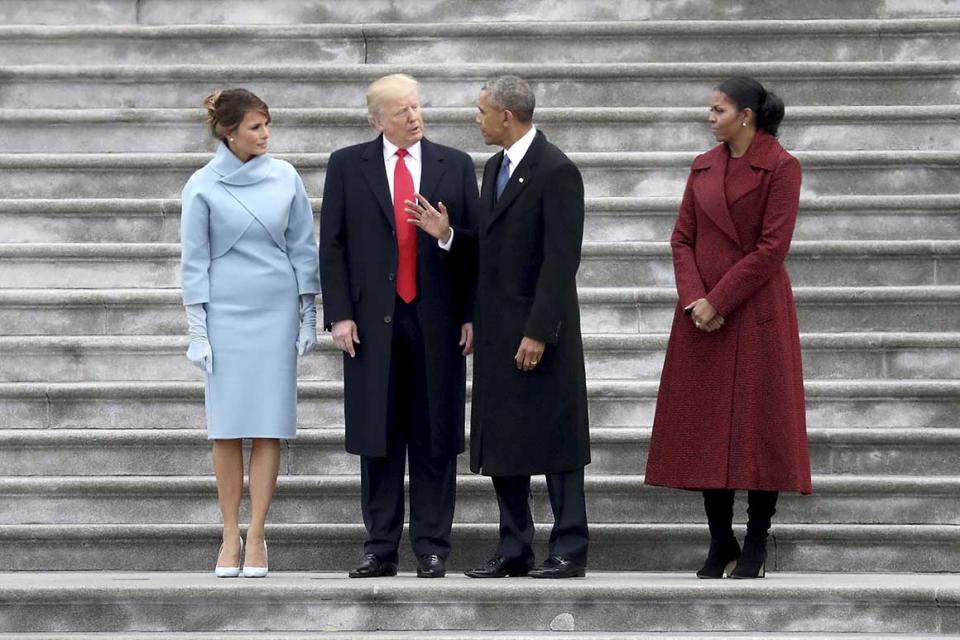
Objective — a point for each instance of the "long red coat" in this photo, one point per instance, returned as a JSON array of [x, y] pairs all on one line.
[[730, 410]]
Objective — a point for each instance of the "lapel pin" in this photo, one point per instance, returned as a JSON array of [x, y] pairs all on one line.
[[521, 180]]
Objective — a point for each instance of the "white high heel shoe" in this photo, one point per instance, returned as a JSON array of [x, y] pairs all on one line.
[[257, 572], [228, 572]]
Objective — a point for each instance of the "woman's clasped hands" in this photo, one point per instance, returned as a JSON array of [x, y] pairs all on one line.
[[703, 315]]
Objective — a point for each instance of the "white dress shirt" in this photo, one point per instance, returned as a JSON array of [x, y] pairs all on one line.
[[519, 148], [412, 160]]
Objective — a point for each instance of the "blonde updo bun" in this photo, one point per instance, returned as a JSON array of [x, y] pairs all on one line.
[[227, 108]]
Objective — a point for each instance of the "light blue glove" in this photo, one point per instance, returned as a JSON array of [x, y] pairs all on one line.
[[199, 352], [307, 340]]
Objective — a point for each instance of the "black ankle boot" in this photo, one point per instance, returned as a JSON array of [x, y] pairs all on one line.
[[752, 562], [721, 558]]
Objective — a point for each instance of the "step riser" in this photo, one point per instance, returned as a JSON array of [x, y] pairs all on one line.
[[599, 181], [168, 319], [166, 137], [628, 458], [581, 48], [152, 413], [601, 226], [635, 505], [163, 273], [94, 365], [682, 553], [332, 11], [323, 91]]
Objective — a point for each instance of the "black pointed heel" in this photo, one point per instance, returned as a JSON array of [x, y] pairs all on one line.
[[721, 559]]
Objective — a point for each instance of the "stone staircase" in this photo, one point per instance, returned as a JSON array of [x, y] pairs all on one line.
[[107, 500]]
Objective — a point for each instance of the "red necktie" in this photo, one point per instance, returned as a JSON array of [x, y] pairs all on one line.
[[406, 232]]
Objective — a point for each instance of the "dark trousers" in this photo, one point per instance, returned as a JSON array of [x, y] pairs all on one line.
[[432, 479], [568, 538]]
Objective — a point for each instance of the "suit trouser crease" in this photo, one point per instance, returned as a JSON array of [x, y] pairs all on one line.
[[432, 479], [569, 536]]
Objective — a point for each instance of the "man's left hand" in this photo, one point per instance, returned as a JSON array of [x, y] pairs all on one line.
[[529, 354], [435, 222]]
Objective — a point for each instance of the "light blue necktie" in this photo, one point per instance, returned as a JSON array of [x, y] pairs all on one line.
[[504, 176]]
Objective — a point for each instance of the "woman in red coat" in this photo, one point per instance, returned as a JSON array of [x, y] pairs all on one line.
[[730, 410]]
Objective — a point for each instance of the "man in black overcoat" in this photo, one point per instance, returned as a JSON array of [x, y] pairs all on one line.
[[529, 388], [399, 306]]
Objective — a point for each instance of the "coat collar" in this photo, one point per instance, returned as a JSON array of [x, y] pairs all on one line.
[[234, 172], [519, 180], [711, 190]]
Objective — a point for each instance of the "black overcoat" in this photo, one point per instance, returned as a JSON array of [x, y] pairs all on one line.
[[528, 245], [358, 266]]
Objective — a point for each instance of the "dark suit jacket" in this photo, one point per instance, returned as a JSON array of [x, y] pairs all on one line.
[[528, 246], [358, 265]]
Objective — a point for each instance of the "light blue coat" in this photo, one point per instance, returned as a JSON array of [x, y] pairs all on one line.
[[248, 252]]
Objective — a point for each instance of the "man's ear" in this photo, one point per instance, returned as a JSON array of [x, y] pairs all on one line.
[[375, 123]]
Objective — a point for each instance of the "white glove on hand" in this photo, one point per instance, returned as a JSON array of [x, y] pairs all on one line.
[[199, 352], [307, 340]]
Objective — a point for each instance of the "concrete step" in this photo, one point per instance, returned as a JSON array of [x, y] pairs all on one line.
[[630, 219], [325, 11], [641, 173], [623, 310], [473, 635], [617, 547], [839, 128], [677, 84], [608, 356], [811, 263], [451, 42], [620, 450], [613, 403], [604, 602], [837, 499]]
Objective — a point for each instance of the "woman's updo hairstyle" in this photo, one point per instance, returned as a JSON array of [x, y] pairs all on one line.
[[747, 93], [226, 109]]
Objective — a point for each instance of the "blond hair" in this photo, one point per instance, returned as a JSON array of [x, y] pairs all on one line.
[[387, 88]]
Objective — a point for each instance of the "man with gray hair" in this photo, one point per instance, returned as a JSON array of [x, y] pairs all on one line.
[[529, 412], [399, 307]]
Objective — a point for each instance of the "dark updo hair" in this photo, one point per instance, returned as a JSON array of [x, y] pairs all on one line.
[[747, 93], [226, 109]]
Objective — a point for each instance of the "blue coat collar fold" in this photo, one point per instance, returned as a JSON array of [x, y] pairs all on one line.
[[234, 172]]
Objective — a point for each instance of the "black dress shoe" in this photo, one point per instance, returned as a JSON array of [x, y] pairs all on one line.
[[500, 567], [721, 559], [431, 566], [559, 567], [752, 563], [373, 567]]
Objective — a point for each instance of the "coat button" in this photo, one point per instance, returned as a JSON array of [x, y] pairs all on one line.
[[391, 276], [387, 319]]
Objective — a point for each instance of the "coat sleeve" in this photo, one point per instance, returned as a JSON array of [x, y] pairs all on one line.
[[752, 271], [194, 246], [563, 211], [334, 270], [301, 242], [466, 260], [689, 283]]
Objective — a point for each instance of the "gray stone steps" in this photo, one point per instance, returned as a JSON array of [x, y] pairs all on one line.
[[629, 219], [619, 547], [622, 310], [811, 263], [602, 602], [452, 42], [906, 355], [621, 450], [580, 129], [613, 403], [676, 84], [474, 635], [162, 175], [326, 11], [620, 498]]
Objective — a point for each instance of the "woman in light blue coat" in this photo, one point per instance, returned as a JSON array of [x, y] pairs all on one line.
[[249, 272]]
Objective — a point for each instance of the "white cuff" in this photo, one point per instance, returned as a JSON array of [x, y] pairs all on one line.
[[446, 245]]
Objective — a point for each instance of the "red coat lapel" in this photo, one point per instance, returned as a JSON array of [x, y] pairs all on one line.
[[708, 189], [762, 157]]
